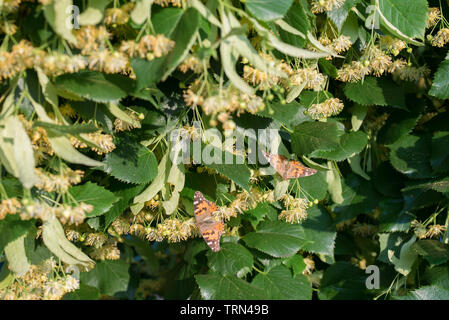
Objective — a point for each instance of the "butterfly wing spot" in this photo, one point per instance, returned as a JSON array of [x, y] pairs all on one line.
[[211, 230]]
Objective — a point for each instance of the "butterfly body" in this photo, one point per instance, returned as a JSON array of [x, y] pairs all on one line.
[[210, 228], [288, 169]]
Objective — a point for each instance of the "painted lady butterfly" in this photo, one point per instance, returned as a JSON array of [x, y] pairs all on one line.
[[288, 169], [210, 229]]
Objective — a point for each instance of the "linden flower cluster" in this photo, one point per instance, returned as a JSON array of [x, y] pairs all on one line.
[[34, 209], [392, 45], [191, 63], [265, 80], [93, 43], [61, 182], [319, 6], [121, 125], [411, 73], [337, 45], [118, 16], [38, 137], [166, 3], [295, 209], [41, 282], [228, 100], [10, 6], [90, 38], [65, 213], [440, 39], [433, 16], [55, 63], [375, 62], [174, 230], [432, 231], [9, 206], [8, 28], [21, 57], [310, 76], [104, 141], [310, 265], [329, 107], [107, 251], [102, 246], [148, 47]]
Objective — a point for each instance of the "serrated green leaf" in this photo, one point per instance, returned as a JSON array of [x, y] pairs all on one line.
[[398, 124], [365, 92], [96, 86], [437, 291], [227, 287], [158, 182], [268, 10], [439, 158], [258, 213], [349, 145], [84, 292], [408, 17], [281, 285], [125, 193], [393, 218], [289, 114], [239, 173], [314, 186], [165, 20], [359, 197], [70, 129], [95, 195], [109, 276], [432, 250], [343, 281], [276, 238], [440, 84], [296, 17], [318, 232], [311, 136], [410, 155], [150, 72], [232, 259], [12, 228], [131, 162], [339, 15], [296, 263], [281, 239]]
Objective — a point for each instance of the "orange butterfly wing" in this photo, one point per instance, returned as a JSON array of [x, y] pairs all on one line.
[[210, 229], [288, 169]]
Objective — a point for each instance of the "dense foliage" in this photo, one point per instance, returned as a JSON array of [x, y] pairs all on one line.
[[92, 205]]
